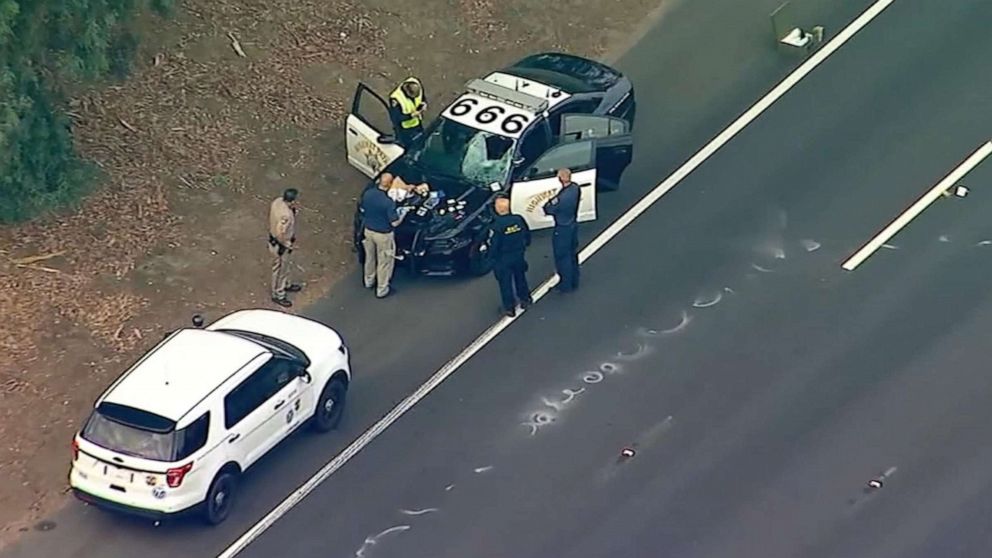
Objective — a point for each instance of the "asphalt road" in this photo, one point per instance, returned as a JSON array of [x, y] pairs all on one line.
[[757, 423]]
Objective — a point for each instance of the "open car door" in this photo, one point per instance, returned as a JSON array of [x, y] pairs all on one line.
[[613, 140], [539, 183], [369, 149]]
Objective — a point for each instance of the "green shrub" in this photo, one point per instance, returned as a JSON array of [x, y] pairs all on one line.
[[46, 45]]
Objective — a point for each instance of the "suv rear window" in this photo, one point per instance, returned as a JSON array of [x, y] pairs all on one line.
[[155, 440]]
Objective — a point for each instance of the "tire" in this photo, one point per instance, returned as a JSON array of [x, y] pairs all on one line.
[[479, 261], [330, 406], [220, 498]]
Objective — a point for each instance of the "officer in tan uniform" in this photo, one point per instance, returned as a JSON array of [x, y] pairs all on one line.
[[282, 241]]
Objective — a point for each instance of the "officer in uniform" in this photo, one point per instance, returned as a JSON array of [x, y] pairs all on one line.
[[509, 238], [564, 207], [406, 107], [282, 241]]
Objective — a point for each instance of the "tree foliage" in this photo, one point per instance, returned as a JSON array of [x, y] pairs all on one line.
[[44, 46]]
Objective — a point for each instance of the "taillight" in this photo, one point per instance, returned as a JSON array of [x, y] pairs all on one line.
[[174, 477], [75, 449]]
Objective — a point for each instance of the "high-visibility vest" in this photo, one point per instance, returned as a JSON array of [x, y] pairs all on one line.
[[407, 105]]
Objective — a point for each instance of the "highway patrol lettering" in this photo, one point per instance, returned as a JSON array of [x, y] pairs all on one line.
[[538, 199]]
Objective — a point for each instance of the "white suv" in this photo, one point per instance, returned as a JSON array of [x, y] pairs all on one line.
[[175, 432]]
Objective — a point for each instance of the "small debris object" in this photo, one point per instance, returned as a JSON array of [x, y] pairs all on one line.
[[236, 45], [875, 484], [627, 452]]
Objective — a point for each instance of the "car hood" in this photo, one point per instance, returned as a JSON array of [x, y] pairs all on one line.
[[432, 223]]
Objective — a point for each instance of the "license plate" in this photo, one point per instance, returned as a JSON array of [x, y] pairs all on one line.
[[120, 475]]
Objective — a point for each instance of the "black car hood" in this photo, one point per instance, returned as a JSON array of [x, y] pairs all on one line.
[[432, 223]]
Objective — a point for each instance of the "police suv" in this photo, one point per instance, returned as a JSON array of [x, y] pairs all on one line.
[[506, 133], [176, 431]]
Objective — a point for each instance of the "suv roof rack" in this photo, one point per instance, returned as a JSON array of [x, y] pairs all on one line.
[[506, 95]]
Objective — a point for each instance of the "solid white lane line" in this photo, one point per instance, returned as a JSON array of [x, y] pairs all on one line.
[[597, 243], [914, 210]]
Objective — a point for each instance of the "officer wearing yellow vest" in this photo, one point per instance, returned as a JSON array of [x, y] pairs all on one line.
[[406, 106]]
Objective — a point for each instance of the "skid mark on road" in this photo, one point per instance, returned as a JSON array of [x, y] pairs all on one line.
[[418, 512], [552, 408], [374, 540], [683, 323], [702, 302]]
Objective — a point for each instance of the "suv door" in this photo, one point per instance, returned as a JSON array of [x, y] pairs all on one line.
[[369, 148], [613, 140], [260, 410], [538, 183]]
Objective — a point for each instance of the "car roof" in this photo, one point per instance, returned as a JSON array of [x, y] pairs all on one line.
[[173, 378], [572, 74]]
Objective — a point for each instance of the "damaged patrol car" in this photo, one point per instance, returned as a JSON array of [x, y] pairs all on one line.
[[507, 133]]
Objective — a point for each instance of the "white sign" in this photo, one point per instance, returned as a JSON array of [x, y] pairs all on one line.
[[488, 115]]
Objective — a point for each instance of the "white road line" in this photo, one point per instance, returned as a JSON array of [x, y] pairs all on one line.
[[914, 210], [597, 243]]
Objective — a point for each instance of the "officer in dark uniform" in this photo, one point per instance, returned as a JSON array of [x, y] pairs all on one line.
[[564, 207], [509, 237]]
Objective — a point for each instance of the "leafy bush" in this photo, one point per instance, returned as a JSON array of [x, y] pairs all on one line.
[[44, 45]]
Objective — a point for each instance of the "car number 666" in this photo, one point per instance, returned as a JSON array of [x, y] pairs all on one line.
[[510, 122]]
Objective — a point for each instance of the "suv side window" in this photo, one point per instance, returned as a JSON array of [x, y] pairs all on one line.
[[585, 106], [256, 390], [192, 438]]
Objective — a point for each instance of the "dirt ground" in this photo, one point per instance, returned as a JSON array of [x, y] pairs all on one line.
[[193, 146]]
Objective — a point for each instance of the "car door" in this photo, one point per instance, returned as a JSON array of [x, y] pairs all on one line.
[[256, 411], [300, 400], [538, 183], [369, 133], [614, 144]]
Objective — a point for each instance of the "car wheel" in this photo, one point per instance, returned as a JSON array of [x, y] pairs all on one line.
[[220, 498], [480, 262], [330, 406]]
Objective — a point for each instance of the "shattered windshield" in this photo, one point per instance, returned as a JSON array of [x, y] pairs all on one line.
[[465, 154]]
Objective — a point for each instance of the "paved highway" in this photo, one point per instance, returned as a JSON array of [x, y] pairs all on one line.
[[760, 385]]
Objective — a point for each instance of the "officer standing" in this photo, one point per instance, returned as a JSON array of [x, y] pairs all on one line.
[[379, 241], [406, 107], [564, 207], [509, 238], [282, 242]]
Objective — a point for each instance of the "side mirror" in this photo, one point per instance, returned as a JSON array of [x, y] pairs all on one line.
[[306, 377], [386, 139]]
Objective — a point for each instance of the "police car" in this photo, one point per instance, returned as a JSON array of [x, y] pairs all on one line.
[[507, 133], [176, 431]]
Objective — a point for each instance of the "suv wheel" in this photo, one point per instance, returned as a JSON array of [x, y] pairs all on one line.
[[220, 498], [330, 406], [480, 262]]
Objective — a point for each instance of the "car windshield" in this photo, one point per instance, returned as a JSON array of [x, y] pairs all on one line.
[[465, 154], [129, 440]]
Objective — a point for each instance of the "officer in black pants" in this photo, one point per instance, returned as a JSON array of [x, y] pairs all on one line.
[[564, 207], [509, 237]]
